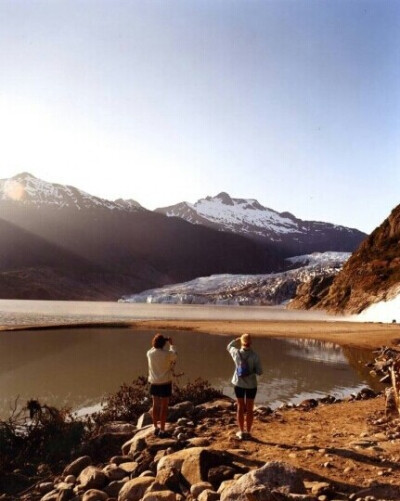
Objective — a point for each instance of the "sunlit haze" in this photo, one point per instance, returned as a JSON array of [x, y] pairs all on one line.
[[294, 102]]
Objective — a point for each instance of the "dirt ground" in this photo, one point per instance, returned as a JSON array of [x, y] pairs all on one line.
[[343, 444]]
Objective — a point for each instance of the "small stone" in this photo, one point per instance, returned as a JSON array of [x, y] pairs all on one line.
[[70, 479]]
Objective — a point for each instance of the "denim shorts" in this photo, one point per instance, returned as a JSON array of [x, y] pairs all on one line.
[[249, 393]]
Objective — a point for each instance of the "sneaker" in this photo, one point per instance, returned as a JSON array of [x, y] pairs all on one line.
[[240, 435]]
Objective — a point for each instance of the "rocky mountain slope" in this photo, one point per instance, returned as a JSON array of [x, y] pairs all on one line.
[[270, 289], [28, 191], [371, 275], [249, 218], [60, 243]]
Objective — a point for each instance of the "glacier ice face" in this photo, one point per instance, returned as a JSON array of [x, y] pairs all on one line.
[[268, 289]]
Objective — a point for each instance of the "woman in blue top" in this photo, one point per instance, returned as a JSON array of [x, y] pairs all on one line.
[[245, 385]]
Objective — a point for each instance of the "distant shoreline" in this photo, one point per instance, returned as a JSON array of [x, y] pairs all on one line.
[[348, 334]]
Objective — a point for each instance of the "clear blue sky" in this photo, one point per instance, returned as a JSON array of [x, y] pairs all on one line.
[[293, 102]]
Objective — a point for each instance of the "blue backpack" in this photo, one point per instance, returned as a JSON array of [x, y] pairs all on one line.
[[243, 369]]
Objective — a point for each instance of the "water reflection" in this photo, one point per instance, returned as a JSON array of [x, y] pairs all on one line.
[[76, 367]]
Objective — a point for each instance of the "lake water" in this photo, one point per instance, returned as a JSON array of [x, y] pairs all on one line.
[[77, 367]]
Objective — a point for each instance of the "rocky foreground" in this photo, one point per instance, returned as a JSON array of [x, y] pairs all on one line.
[[318, 451]]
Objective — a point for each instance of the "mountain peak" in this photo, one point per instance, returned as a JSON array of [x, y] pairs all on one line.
[[224, 197], [28, 190], [23, 176]]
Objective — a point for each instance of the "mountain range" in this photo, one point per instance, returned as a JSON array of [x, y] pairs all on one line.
[[58, 242], [249, 218]]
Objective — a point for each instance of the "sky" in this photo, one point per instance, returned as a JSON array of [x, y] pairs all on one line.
[[295, 103]]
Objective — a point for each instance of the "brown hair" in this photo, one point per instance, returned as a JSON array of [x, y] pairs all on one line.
[[158, 341]]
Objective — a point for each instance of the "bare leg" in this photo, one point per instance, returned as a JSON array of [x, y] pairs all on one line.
[[241, 407], [156, 410], [249, 414], [163, 412]]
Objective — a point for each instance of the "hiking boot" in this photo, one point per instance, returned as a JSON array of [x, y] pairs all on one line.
[[164, 434], [156, 431]]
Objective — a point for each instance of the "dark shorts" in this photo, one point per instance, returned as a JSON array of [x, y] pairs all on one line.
[[161, 390], [249, 393]]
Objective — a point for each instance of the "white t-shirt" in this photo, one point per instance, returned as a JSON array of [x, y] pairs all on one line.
[[160, 364]]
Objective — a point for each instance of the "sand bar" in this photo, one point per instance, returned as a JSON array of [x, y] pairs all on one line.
[[224, 320], [369, 335]]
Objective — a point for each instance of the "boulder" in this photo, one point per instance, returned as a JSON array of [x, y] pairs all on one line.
[[92, 478], [120, 459], [217, 405], [114, 487], [135, 489], [197, 489], [154, 444], [114, 472], [225, 484], [183, 409], [208, 495], [129, 468], [105, 445], [50, 496], [193, 463], [159, 496], [273, 476], [45, 487], [144, 420], [140, 434], [94, 495], [77, 466], [218, 474], [168, 478], [198, 442]]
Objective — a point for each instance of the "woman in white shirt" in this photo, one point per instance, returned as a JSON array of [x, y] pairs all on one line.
[[161, 361]]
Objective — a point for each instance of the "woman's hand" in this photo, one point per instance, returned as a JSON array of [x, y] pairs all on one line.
[[170, 341]]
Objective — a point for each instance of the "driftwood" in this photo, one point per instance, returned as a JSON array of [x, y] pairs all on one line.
[[392, 393]]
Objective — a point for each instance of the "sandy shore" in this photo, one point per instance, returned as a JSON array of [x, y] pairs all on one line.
[[368, 335]]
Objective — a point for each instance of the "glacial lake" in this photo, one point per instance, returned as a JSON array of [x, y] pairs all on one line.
[[77, 367]]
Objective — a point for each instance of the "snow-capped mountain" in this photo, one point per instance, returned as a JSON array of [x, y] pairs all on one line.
[[249, 218], [25, 189], [58, 242], [268, 289]]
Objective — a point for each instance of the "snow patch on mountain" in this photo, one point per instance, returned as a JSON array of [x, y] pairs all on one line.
[[319, 258], [384, 311], [26, 189], [268, 289], [248, 217]]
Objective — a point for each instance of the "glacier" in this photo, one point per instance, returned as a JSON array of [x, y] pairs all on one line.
[[265, 289]]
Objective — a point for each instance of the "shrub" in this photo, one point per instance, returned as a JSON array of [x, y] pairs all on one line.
[[130, 401], [48, 436]]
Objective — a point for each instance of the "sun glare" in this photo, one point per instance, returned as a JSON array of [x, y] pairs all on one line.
[[14, 190]]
